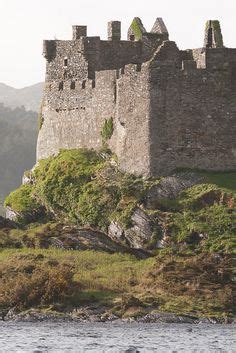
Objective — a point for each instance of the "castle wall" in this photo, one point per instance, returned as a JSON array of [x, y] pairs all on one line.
[[193, 118], [73, 118], [131, 141], [57, 53], [170, 108]]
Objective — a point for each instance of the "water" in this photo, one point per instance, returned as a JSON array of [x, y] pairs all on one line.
[[107, 337]]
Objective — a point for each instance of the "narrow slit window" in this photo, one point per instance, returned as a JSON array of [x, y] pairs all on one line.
[[65, 62], [61, 86], [83, 84], [72, 85]]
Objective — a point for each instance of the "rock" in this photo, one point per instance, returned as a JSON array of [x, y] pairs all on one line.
[[139, 235], [28, 176], [169, 187], [7, 224], [169, 318], [25, 217], [116, 232]]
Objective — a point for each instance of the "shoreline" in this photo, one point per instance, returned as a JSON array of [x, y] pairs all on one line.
[[87, 315]]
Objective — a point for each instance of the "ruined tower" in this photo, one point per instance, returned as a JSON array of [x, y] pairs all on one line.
[[168, 108]]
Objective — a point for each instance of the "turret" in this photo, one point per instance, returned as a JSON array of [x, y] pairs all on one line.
[[49, 49], [159, 27], [114, 30], [213, 35], [79, 31]]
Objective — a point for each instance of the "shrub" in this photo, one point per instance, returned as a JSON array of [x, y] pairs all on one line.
[[35, 284], [21, 200]]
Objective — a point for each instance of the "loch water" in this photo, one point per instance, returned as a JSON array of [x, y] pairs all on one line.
[[115, 337]]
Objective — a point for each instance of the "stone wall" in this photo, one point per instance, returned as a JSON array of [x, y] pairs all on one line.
[[170, 108], [74, 118], [193, 116]]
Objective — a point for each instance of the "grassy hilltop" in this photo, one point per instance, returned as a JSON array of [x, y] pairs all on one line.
[[64, 253]]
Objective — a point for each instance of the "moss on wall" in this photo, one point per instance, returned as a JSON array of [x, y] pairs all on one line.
[[40, 117], [107, 130], [217, 35], [137, 28]]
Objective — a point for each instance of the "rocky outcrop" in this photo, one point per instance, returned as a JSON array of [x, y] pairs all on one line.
[[138, 236], [26, 217], [169, 188], [6, 223]]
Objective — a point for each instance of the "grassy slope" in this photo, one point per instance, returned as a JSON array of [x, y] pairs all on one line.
[[85, 277], [82, 187]]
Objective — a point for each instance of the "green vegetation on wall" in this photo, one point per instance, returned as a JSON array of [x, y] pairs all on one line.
[[137, 28], [217, 35], [107, 130]]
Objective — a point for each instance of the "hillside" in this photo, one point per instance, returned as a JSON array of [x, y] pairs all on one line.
[[93, 241], [18, 134], [29, 97]]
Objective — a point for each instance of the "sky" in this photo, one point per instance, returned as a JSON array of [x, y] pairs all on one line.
[[25, 23]]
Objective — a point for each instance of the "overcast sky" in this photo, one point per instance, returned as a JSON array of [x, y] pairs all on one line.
[[25, 23]]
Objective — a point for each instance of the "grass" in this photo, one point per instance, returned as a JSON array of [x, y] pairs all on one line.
[[196, 284], [192, 274], [80, 186], [225, 180]]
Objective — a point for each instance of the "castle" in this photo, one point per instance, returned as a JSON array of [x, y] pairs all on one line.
[[166, 108]]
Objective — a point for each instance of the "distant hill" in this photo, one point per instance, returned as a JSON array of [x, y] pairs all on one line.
[[18, 135], [29, 97]]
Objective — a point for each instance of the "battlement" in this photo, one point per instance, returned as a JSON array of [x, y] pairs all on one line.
[[170, 108]]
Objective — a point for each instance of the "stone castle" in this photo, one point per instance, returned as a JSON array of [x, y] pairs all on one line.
[[166, 108]]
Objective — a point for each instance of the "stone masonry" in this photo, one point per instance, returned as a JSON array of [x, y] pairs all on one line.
[[170, 108]]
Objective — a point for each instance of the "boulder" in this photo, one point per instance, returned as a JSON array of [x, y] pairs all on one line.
[[138, 236]]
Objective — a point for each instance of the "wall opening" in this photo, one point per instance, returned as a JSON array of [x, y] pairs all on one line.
[[83, 84], [61, 85], [132, 37], [72, 85], [93, 83], [65, 62]]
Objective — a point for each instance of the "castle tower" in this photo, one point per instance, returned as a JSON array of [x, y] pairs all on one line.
[[213, 35], [159, 27], [114, 30]]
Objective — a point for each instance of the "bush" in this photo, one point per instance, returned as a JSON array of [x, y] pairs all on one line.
[[35, 284], [21, 200]]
